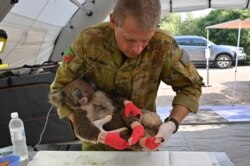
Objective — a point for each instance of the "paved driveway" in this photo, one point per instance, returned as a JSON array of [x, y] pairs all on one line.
[[221, 90]]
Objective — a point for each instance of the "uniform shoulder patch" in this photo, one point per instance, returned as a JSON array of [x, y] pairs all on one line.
[[185, 58], [175, 44], [68, 55]]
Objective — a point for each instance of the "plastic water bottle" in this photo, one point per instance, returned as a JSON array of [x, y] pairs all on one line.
[[18, 138]]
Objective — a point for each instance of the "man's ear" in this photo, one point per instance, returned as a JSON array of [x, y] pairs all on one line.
[[111, 21]]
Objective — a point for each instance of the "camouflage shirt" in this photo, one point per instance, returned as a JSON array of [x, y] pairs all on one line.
[[95, 52]]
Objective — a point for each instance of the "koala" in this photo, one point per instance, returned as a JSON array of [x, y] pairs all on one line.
[[90, 105]]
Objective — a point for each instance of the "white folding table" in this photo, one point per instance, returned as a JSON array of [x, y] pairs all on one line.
[[129, 158]]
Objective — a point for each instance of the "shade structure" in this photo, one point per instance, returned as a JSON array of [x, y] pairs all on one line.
[[234, 24]]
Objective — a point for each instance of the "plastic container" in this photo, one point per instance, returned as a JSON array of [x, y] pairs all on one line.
[[18, 138], [12, 159]]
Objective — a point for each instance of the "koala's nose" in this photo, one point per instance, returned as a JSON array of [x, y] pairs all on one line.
[[78, 93]]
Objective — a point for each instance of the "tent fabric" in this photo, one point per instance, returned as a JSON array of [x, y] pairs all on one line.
[[51, 12], [29, 42], [42, 30], [32, 31], [234, 24], [68, 34], [191, 5], [33, 28]]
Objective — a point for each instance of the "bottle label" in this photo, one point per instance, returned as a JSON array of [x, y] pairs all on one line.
[[17, 134]]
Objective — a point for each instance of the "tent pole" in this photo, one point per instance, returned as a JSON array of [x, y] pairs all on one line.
[[236, 62], [207, 54]]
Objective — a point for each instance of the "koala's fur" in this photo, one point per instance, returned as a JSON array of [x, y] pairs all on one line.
[[89, 104]]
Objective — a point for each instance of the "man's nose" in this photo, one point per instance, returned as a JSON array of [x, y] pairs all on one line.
[[137, 48]]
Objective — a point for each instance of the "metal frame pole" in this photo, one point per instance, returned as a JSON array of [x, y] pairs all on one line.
[[236, 63], [207, 51]]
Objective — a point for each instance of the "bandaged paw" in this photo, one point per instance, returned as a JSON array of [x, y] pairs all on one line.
[[130, 108], [114, 140], [137, 134]]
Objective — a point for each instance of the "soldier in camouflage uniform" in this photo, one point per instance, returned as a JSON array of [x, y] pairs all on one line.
[[130, 56]]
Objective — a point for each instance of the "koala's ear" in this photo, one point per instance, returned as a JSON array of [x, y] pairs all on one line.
[[89, 79], [93, 85], [57, 99]]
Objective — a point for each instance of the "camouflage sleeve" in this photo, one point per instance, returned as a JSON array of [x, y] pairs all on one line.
[[71, 68], [181, 74]]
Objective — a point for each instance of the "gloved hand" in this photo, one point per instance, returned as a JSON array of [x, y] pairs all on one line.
[[114, 140], [137, 134], [164, 133], [131, 108]]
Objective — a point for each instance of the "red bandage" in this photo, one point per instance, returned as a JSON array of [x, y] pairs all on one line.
[[150, 143], [138, 132], [114, 140], [131, 108]]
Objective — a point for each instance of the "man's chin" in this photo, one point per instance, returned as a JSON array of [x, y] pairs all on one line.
[[132, 56]]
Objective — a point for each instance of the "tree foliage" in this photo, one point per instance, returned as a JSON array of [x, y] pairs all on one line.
[[171, 23], [191, 25]]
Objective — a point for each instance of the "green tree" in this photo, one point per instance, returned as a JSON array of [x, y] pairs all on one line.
[[189, 25], [229, 36], [171, 23]]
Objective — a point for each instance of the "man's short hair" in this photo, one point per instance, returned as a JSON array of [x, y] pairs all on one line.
[[146, 12]]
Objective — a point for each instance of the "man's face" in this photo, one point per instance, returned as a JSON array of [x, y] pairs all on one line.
[[130, 39]]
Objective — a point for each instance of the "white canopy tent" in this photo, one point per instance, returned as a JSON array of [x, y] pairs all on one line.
[[39, 31], [33, 28], [234, 24]]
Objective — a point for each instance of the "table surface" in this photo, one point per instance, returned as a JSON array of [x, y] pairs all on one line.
[[128, 158]]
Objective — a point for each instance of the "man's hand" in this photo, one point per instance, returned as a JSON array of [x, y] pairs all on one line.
[[164, 133], [131, 108]]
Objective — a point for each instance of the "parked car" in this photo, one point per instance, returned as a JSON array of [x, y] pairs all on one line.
[[222, 56]]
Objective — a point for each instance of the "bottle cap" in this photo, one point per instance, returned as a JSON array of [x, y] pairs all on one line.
[[14, 115]]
